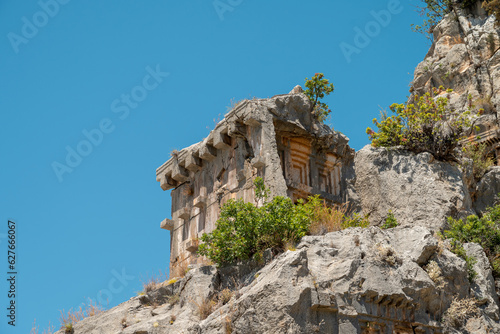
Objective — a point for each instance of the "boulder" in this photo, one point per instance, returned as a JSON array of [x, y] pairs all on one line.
[[417, 188]]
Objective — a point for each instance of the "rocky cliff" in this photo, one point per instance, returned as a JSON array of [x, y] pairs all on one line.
[[358, 280], [399, 280]]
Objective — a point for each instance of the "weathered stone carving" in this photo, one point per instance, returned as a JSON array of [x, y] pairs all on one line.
[[277, 139]]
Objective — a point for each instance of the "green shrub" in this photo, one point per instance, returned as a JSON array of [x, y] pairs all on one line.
[[318, 88], [390, 221], [427, 125], [235, 236], [355, 220], [484, 231], [244, 230]]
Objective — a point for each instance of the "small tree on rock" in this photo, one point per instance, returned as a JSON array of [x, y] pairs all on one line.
[[427, 125], [318, 88]]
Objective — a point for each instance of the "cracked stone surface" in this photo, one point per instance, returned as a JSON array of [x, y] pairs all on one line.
[[350, 281]]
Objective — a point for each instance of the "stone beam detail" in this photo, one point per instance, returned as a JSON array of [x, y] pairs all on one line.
[[167, 183], [193, 162], [200, 202], [208, 152], [185, 213], [221, 140], [237, 129], [167, 224], [179, 173], [259, 162]]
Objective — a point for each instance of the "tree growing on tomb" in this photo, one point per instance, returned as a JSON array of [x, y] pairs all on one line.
[[317, 88]]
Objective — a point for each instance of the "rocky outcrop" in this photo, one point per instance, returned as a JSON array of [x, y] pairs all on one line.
[[353, 281], [417, 188], [488, 190], [465, 57]]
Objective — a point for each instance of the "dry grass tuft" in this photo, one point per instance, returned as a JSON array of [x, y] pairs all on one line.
[[225, 296], [460, 311], [435, 273], [291, 246], [70, 318], [124, 322], [151, 284], [387, 254], [205, 307], [35, 329], [328, 219], [172, 300], [181, 269], [228, 325]]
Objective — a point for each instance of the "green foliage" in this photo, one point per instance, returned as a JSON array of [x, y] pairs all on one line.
[[355, 220], [390, 221], [493, 8], [318, 88], [244, 230], [484, 231], [433, 11], [458, 249], [261, 192], [478, 159], [427, 125], [236, 234]]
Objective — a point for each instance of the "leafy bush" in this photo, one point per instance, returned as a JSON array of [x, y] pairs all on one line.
[[493, 7], [317, 88], [476, 153], [390, 221], [484, 231], [245, 230], [355, 220], [427, 125]]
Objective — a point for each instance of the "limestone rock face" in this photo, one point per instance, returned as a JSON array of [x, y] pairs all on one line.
[[483, 286], [487, 190], [465, 57], [352, 281], [417, 188]]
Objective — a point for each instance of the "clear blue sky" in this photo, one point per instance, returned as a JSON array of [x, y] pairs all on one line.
[[88, 66]]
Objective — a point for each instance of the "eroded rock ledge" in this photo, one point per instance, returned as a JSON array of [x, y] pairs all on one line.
[[400, 280]]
